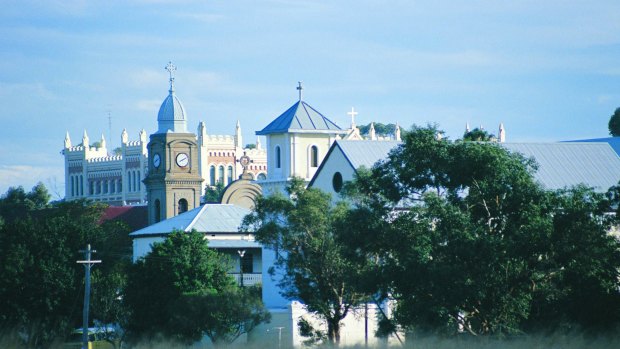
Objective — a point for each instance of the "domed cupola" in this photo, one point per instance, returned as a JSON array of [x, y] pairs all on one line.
[[171, 116]]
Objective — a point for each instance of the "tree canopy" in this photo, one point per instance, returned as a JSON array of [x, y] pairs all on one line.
[[40, 281], [466, 240], [614, 123], [304, 228], [380, 129], [478, 135], [181, 291]]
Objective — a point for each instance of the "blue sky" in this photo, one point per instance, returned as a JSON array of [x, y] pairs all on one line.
[[549, 70]]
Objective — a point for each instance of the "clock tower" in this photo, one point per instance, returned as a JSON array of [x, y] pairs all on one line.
[[173, 183]]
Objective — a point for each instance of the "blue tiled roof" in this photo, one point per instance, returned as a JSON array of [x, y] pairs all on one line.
[[209, 218], [300, 117], [567, 164]]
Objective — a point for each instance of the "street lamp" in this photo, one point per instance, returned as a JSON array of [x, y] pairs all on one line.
[[241, 254]]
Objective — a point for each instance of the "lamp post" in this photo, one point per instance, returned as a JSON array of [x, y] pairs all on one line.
[[241, 254]]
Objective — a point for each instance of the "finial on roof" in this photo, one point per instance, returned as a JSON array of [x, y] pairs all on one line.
[[371, 132], [171, 68], [352, 113], [467, 127], [502, 133], [124, 136], [299, 88], [67, 140], [397, 132]]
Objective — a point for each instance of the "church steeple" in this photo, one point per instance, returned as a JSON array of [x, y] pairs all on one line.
[[171, 116], [371, 132]]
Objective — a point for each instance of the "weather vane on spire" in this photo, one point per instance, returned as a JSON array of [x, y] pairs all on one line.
[[171, 68], [299, 88]]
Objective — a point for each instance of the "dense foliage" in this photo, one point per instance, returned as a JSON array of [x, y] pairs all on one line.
[[41, 285], [478, 135], [614, 123], [181, 291], [383, 130], [213, 194], [304, 228], [466, 240]]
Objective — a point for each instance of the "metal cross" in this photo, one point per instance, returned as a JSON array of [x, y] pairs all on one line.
[[352, 113], [171, 68], [299, 88]]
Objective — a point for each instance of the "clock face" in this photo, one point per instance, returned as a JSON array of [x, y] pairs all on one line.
[[156, 160], [182, 160]]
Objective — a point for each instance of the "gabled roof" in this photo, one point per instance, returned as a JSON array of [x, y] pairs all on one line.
[[359, 153], [208, 218], [570, 163], [301, 117]]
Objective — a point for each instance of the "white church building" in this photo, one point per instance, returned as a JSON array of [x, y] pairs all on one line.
[[301, 142]]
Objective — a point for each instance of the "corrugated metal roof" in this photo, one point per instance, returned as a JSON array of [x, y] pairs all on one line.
[[300, 117], [614, 142], [209, 218], [566, 164], [366, 153]]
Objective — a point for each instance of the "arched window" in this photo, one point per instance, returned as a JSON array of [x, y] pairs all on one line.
[[182, 206], [337, 182], [212, 175], [157, 212], [139, 180], [120, 185], [220, 175], [251, 175], [230, 175], [314, 156], [72, 187], [81, 185], [113, 186], [128, 180], [104, 184], [98, 186], [278, 164], [91, 187], [261, 177], [133, 184]]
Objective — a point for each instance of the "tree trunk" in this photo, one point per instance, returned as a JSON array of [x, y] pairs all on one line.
[[333, 331]]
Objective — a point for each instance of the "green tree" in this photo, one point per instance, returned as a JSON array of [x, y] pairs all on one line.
[[380, 129], [170, 289], [478, 135], [250, 146], [39, 279], [304, 229], [614, 123], [213, 194], [467, 240]]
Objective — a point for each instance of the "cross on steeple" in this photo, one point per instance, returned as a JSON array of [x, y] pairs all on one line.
[[299, 88], [171, 68], [352, 113]]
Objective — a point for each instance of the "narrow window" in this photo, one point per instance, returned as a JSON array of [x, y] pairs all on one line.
[[278, 157], [314, 156], [220, 174], [247, 263], [212, 175], [157, 211], [91, 187], [72, 187], [182, 206], [230, 174], [81, 185], [139, 180]]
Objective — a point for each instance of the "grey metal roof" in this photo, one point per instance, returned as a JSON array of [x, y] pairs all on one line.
[[209, 218], [566, 164], [234, 243], [300, 117], [614, 142], [366, 153]]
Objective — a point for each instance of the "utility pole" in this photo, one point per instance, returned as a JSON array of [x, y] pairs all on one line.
[[88, 263]]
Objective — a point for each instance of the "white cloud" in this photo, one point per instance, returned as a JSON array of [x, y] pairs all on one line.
[[28, 176]]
